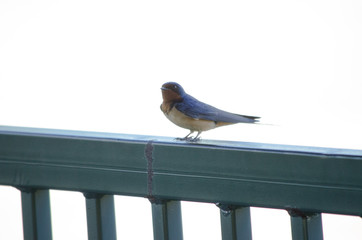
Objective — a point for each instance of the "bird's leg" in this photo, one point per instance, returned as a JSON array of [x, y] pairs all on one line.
[[195, 139], [186, 137]]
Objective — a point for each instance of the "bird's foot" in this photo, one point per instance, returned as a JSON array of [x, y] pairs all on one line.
[[194, 139], [189, 139], [184, 139]]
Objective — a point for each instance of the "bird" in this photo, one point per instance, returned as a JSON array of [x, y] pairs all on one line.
[[187, 112]]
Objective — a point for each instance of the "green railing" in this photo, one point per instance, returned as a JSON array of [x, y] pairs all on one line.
[[305, 181]]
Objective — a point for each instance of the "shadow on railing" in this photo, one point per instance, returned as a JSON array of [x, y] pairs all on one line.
[[305, 181]]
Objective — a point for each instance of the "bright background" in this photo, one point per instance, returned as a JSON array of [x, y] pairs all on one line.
[[98, 66]]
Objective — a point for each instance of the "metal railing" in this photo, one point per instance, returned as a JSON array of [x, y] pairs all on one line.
[[305, 181]]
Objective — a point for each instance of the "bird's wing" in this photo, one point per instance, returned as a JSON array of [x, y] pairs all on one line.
[[199, 110]]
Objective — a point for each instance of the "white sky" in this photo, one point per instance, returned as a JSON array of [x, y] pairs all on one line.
[[98, 66]]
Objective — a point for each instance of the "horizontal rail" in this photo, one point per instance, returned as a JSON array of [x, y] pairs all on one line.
[[305, 179]]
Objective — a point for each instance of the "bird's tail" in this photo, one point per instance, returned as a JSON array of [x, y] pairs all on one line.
[[250, 119]]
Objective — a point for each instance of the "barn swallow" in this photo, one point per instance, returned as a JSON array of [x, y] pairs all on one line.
[[187, 112]]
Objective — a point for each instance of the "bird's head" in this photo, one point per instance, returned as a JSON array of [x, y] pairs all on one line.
[[172, 91]]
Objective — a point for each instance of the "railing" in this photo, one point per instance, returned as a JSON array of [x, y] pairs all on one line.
[[304, 181]]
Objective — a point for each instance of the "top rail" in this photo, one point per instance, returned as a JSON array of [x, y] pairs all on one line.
[[307, 179]]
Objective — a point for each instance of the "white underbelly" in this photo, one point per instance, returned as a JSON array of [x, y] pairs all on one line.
[[192, 124]]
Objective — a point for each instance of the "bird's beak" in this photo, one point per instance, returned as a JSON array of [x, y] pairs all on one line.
[[163, 88]]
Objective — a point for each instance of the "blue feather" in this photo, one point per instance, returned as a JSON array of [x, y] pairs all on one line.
[[199, 110]]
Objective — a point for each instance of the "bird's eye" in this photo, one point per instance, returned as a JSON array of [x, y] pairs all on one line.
[[175, 87]]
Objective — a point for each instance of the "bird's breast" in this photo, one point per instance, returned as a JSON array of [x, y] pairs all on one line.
[[184, 121]]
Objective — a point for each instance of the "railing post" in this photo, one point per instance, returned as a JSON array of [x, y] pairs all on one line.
[[36, 214], [306, 226], [235, 222], [167, 220], [101, 219]]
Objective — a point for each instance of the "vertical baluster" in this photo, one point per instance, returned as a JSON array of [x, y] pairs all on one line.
[[306, 226], [167, 220], [36, 214], [101, 219], [235, 222]]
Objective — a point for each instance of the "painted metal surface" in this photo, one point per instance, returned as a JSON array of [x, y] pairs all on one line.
[[36, 214], [306, 226], [274, 176], [306, 181], [235, 223], [101, 221], [167, 220]]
